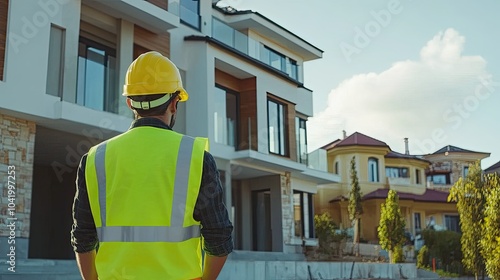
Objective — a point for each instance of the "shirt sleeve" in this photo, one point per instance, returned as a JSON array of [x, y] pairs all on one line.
[[83, 233], [210, 210]]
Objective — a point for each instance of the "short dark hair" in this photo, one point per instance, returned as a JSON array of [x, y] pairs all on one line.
[[157, 111]]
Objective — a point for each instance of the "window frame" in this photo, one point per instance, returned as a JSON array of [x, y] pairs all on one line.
[[61, 57], [109, 52], [283, 129], [400, 171], [237, 109], [310, 205], [373, 177], [448, 220], [298, 122]]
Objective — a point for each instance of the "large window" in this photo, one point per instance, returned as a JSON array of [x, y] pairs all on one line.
[[452, 222], [55, 63], [190, 13], [225, 116], [397, 172], [97, 85], [301, 137], [303, 214], [276, 120], [373, 170]]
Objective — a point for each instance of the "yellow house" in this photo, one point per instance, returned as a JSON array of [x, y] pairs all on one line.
[[380, 169]]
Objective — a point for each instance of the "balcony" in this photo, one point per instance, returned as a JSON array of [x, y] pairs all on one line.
[[441, 187], [398, 181], [158, 16], [232, 38]]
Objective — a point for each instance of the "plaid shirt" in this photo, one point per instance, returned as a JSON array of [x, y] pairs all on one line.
[[210, 211]]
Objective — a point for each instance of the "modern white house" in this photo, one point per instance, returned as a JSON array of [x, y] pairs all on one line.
[[62, 67]]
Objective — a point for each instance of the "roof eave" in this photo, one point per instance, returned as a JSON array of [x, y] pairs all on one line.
[[268, 28]]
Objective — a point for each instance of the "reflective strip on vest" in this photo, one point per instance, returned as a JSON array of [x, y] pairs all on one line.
[[173, 233]]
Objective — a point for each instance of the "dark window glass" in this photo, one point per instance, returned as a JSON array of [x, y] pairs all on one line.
[[55, 64], [294, 70]]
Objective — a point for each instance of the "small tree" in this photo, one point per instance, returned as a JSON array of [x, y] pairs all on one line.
[[355, 208], [491, 228], [391, 230], [470, 195]]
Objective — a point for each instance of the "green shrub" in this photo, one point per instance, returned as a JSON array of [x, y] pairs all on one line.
[[423, 257]]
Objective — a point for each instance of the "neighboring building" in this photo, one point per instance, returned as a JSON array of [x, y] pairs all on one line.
[[448, 165], [380, 169], [61, 75], [495, 168]]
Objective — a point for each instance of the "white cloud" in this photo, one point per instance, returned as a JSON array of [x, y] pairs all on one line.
[[424, 100]]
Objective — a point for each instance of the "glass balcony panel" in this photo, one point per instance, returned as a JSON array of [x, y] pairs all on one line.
[[223, 33], [173, 7], [241, 42], [189, 17]]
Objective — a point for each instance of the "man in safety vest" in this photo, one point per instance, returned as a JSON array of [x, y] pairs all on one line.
[[149, 199]]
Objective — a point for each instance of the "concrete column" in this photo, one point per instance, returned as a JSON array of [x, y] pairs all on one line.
[[124, 56]]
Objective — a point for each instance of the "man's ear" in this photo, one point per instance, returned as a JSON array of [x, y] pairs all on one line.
[[173, 105], [128, 103]]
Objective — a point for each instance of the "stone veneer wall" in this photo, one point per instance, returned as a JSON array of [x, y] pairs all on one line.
[[287, 207], [17, 148]]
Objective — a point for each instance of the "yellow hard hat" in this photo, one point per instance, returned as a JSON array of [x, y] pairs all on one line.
[[153, 73]]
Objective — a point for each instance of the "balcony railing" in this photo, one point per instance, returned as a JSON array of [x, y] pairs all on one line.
[[443, 187], [241, 42], [401, 181]]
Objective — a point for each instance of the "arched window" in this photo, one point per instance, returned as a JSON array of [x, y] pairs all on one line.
[[373, 170]]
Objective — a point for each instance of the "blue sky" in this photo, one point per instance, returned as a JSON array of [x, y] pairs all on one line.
[[426, 70]]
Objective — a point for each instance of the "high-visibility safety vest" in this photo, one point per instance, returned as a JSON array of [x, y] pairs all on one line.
[[142, 187]]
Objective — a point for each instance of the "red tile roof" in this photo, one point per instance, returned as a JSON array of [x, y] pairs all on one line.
[[393, 154], [360, 139], [428, 196]]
